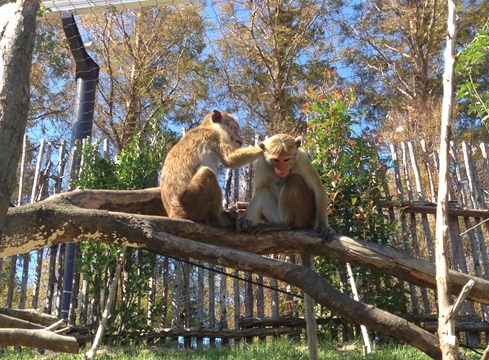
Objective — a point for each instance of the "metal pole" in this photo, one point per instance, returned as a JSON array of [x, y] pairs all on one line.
[[86, 75]]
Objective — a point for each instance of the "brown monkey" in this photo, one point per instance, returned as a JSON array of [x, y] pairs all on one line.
[[189, 187], [287, 191], [288, 194]]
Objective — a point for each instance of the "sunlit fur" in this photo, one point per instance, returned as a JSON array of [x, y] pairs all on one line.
[[280, 145], [189, 187]]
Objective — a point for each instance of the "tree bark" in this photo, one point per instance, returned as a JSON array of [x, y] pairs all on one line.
[[40, 339], [16, 47], [57, 220], [446, 323], [30, 315]]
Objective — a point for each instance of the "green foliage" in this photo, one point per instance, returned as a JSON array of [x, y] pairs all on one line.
[[470, 68], [134, 168], [279, 348], [354, 177]]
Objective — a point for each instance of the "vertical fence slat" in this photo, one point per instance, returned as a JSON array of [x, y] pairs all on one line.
[[412, 227], [212, 302]]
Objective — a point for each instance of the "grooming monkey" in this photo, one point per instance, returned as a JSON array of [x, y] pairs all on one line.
[[288, 194], [189, 187]]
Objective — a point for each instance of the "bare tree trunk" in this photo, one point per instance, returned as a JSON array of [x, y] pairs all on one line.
[[446, 324], [17, 30], [108, 305]]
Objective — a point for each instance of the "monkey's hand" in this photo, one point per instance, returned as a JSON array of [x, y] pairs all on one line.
[[229, 218], [325, 232], [243, 225]]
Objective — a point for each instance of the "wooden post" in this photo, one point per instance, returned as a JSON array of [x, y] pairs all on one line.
[[446, 325], [187, 311], [108, 305], [35, 194], [200, 303], [151, 291], [166, 290], [414, 236], [176, 300], [212, 302], [366, 339], [237, 301], [424, 217], [223, 321]]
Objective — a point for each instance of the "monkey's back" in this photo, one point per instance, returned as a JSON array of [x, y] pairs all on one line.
[[191, 152]]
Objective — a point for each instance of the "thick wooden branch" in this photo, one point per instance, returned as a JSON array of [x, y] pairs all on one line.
[[57, 220], [31, 316], [12, 322], [75, 216], [40, 339]]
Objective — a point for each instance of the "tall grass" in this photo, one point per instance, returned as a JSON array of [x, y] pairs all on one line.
[[279, 349]]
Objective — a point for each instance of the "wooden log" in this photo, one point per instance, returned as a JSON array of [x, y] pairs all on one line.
[[460, 326], [30, 315], [226, 333], [61, 222], [11, 322], [247, 323], [40, 339]]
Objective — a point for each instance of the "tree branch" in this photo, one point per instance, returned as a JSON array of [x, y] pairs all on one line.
[[60, 219]]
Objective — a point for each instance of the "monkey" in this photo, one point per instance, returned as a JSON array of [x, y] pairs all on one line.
[[288, 194], [189, 186]]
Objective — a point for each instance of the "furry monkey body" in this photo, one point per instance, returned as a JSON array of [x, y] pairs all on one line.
[[288, 194], [189, 186]]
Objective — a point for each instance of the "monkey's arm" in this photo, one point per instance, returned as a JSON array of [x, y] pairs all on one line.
[[321, 198], [234, 158]]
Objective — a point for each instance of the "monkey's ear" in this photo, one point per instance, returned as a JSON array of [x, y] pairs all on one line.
[[298, 141], [216, 117]]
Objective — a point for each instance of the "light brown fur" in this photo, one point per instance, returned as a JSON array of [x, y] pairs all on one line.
[[189, 187], [297, 199], [288, 194]]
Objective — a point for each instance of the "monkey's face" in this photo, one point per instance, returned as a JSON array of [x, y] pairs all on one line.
[[236, 139], [281, 165]]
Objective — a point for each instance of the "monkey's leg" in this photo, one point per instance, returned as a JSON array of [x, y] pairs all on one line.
[[201, 201], [298, 209], [297, 205]]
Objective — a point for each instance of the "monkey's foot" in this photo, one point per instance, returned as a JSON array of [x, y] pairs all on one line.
[[325, 232], [243, 224]]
